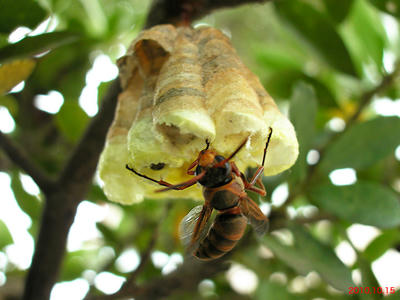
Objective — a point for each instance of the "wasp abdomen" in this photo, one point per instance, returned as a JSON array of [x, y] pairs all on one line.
[[223, 199], [227, 230]]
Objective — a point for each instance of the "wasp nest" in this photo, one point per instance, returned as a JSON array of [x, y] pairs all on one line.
[[181, 87]]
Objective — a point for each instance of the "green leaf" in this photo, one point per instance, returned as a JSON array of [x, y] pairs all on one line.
[[75, 263], [338, 10], [3, 40], [314, 28], [389, 6], [10, 103], [73, 267], [72, 120], [51, 72], [381, 244], [5, 235], [28, 203], [108, 234], [17, 13], [280, 85], [277, 57], [322, 259], [14, 72], [365, 35], [364, 202], [102, 91], [309, 254], [96, 194], [303, 109], [288, 254], [363, 144], [33, 45], [270, 290], [368, 278]]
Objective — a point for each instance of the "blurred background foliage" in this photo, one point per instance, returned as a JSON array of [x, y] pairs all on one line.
[[332, 66]]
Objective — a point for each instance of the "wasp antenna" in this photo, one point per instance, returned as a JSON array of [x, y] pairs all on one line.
[[160, 182], [266, 146], [221, 163], [139, 174], [208, 144], [238, 149]]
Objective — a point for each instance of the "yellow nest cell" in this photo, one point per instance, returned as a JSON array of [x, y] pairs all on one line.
[[181, 87]]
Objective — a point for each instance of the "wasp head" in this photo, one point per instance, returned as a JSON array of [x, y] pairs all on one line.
[[216, 174]]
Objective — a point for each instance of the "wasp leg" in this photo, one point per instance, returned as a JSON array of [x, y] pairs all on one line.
[[236, 170], [254, 215], [248, 185], [260, 169], [252, 187], [256, 179]]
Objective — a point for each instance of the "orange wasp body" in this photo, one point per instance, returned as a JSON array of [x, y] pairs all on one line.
[[224, 189]]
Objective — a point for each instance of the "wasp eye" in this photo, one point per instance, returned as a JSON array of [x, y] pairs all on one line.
[[219, 158], [199, 169]]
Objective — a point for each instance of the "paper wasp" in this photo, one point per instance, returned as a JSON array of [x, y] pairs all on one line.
[[224, 189]]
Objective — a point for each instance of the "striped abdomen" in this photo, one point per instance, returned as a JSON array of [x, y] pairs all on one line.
[[227, 230]]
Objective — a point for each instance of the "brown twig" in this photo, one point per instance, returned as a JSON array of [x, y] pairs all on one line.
[[21, 159]]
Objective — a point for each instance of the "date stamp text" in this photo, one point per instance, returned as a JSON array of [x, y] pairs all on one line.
[[371, 290]]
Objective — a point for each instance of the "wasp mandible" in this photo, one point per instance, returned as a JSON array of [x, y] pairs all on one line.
[[224, 189]]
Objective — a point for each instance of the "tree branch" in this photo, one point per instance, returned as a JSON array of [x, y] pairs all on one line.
[[21, 159], [172, 12], [61, 202], [80, 167]]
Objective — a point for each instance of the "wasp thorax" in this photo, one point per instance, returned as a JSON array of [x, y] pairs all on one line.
[[182, 86]]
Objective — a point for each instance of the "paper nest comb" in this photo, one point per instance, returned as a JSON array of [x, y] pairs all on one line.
[[181, 87]]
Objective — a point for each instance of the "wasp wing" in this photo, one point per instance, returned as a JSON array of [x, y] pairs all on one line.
[[188, 223], [192, 228], [254, 215]]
